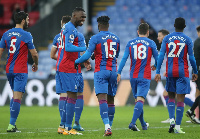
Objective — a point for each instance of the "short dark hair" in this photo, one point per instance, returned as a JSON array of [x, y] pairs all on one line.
[[66, 18], [179, 23], [143, 28], [78, 9], [19, 16], [104, 20], [164, 32], [198, 29]]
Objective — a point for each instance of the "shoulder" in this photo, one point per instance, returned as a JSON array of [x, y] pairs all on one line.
[[80, 35]]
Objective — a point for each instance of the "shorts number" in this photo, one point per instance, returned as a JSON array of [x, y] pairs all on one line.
[[111, 49], [171, 54], [140, 52], [12, 46]]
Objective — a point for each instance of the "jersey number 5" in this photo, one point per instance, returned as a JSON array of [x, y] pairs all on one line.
[[12, 46], [111, 49]]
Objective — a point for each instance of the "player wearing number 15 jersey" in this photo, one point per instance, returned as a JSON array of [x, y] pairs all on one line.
[[105, 46], [176, 46], [18, 42], [140, 50]]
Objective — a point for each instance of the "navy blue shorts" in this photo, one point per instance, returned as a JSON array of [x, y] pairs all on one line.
[[140, 87], [105, 81], [179, 85], [17, 81]]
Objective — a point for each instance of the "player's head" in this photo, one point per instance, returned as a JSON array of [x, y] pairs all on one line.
[[161, 34], [65, 19], [198, 31], [179, 24], [21, 18], [143, 29], [78, 16], [103, 23]]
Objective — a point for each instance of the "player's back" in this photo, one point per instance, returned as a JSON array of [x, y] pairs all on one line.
[[106, 50], [177, 46], [141, 49], [17, 41]]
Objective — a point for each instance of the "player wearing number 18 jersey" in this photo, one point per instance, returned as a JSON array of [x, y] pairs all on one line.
[[105, 46], [18, 42], [176, 46], [140, 50]]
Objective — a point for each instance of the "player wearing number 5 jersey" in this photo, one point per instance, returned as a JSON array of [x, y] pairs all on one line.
[[105, 46], [18, 42], [176, 46], [140, 50]]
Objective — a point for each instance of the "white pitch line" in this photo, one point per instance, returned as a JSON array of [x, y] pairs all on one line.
[[95, 130]]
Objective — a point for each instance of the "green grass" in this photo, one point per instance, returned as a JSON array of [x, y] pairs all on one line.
[[42, 122]]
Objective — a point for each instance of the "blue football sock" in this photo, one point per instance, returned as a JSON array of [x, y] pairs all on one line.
[[63, 117], [179, 112], [61, 104], [111, 113], [171, 108], [137, 111], [79, 108], [15, 111], [141, 118], [104, 111], [70, 109], [11, 103], [188, 102], [166, 99]]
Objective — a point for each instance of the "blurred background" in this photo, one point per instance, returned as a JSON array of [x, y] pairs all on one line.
[[126, 15]]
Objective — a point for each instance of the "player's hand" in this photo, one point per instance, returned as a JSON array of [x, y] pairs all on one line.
[[194, 77], [118, 78], [76, 66], [157, 77], [87, 65], [153, 68], [164, 74], [34, 67]]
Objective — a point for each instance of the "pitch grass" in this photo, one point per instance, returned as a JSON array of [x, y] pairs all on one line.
[[42, 122]]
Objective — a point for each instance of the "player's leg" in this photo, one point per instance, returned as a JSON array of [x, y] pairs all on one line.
[[112, 89], [79, 103], [101, 90], [20, 80], [166, 97], [111, 109], [142, 87], [78, 112], [188, 101]]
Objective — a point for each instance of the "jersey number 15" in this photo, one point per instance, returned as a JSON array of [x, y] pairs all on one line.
[[108, 55]]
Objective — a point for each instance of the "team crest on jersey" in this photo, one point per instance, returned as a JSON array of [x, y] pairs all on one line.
[[71, 37]]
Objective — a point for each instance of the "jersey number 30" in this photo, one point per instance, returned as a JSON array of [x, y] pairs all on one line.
[[108, 55]]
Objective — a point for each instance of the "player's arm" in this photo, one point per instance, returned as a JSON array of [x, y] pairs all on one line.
[[155, 55], [53, 52], [82, 43], [123, 62], [160, 60], [192, 58], [33, 52], [69, 47], [2, 46]]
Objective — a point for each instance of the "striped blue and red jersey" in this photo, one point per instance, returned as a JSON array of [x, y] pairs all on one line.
[[17, 41], [106, 47], [140, 50], [66, 60], [176, 46]]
